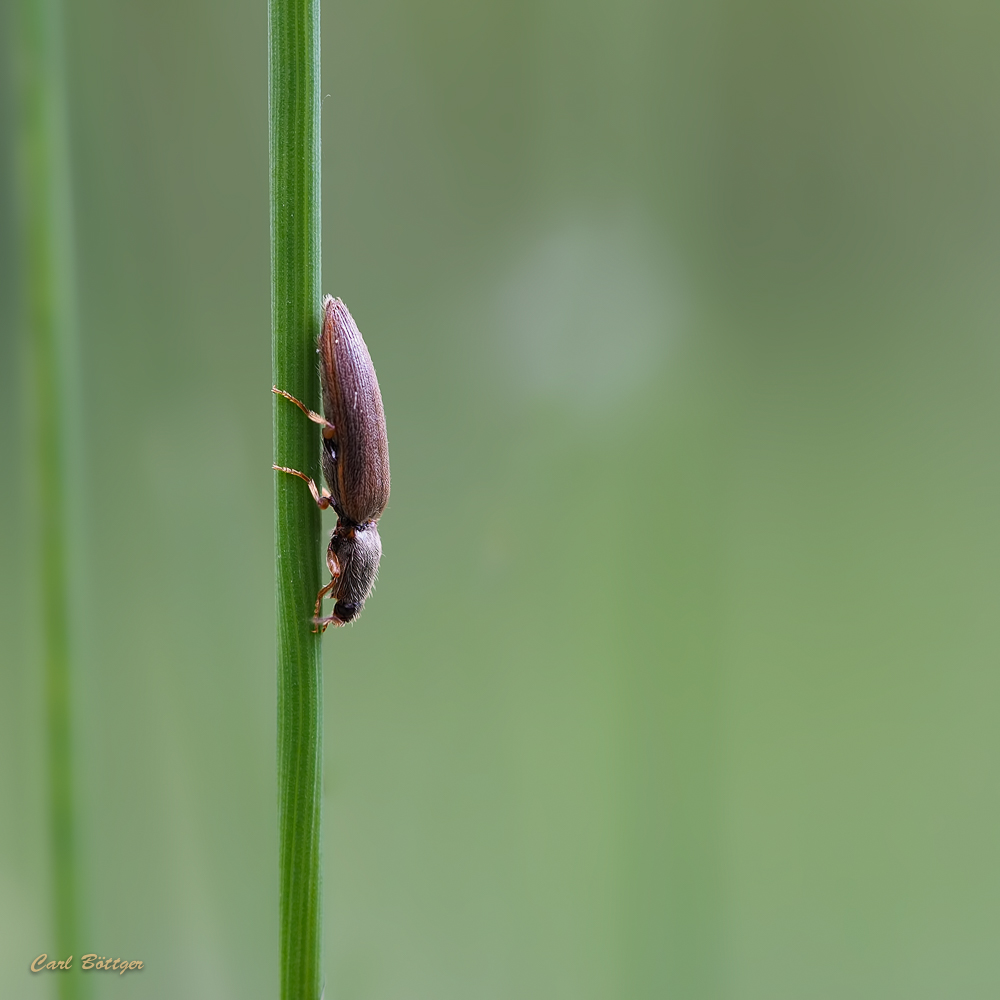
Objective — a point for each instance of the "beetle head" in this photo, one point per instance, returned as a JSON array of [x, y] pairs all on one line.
[[357, 549]]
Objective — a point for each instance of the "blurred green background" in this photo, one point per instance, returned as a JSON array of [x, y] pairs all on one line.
[[680, 680]]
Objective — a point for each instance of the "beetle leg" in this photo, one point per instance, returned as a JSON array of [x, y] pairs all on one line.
[[324, 623], [317, 620], [334, 567], [323, 499], [329, 432]]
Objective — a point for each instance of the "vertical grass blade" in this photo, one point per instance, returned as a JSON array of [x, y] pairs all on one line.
[[294, 93], [50, 316]]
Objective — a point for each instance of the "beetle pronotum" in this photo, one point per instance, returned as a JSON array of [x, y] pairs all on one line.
[[355, 459]]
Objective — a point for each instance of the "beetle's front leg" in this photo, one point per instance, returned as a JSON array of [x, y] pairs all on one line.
[[320, 622], [323, 499]]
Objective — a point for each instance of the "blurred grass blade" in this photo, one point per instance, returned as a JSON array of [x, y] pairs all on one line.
[[294, 80], [48, 276]]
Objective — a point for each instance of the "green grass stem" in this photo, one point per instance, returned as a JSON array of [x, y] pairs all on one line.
[[50, 316], [294, 91]]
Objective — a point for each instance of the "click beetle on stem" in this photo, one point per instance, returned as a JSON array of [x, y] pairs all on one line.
[[355, 459]]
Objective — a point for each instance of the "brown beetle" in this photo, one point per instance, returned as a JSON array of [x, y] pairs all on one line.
[[355, 462]]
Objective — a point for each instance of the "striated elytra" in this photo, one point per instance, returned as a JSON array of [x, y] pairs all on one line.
[[355, 458]]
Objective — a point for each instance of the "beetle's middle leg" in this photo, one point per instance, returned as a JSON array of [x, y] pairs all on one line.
[[322, 499]]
